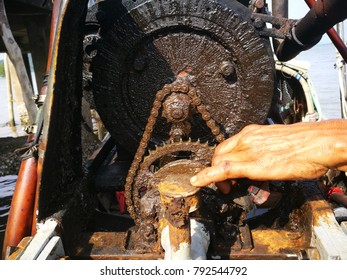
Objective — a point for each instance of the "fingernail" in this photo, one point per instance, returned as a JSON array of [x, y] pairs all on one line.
[[193, 179]]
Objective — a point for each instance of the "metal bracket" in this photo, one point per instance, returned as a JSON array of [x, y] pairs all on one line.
[[281, 26]]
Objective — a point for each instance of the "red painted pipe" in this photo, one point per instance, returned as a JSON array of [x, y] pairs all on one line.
[[333, 35], [22, 206], [53, 29]]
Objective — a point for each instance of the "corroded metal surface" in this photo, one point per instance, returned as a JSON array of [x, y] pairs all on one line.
[[107, 246], [269, 243], [180, 86], [146, 237], [141, 51], [163, 73], [200, 152], [178, 198]]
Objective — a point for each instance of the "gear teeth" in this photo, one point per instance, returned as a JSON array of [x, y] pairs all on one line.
[[158, 151]]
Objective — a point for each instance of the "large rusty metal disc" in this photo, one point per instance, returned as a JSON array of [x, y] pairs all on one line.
[[143, 46]]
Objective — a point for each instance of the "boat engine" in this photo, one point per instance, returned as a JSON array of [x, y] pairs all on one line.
[[170, 80]]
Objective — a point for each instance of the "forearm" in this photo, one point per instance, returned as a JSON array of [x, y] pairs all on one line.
[[324, 142], [339, 155]]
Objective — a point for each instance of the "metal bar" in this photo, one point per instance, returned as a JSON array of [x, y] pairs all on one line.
[[280, 8], [53, 29]]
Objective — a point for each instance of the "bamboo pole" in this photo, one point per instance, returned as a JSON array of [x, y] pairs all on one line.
[[12, 122]]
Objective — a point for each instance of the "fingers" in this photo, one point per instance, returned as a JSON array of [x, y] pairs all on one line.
[[241, 156], [227, 146], [249, 132], [218, 173], [230, 144]]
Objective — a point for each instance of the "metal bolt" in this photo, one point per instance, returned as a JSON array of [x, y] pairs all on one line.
[[258, 23], [226, 68]]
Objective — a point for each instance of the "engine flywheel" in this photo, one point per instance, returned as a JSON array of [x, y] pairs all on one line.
[[144, 45]]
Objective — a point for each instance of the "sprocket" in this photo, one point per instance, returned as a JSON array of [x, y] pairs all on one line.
[[195, 151]]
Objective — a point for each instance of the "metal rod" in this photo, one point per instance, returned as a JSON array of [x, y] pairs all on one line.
[[178, 198], [280, 8]]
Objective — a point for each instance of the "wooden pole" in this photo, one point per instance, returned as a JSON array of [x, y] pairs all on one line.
[[16, 57], [341, 67], [12, 122]]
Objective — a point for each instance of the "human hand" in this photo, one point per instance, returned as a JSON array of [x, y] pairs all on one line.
[[278, 152]]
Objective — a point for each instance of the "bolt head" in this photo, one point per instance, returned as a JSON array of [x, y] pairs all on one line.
[[226, 68]]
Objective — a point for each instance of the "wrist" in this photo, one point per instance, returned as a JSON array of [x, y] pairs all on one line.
[[340, 154]]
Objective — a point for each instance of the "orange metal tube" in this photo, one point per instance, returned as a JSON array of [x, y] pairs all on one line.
[[37, 192], [53, 29], [22, 206]]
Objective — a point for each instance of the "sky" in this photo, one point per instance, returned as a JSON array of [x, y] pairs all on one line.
[[297, 9]]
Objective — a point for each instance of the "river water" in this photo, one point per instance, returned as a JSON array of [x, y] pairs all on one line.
[[322, 73], [6, 191]]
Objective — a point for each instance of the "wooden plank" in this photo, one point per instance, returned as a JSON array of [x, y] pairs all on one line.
[[329, 238], [44, 234], [344, 227], [53, 250]]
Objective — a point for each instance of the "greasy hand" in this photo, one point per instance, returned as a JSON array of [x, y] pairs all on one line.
[[279, 152]]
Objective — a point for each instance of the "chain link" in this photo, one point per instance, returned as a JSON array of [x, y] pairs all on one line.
[[133, 194]]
